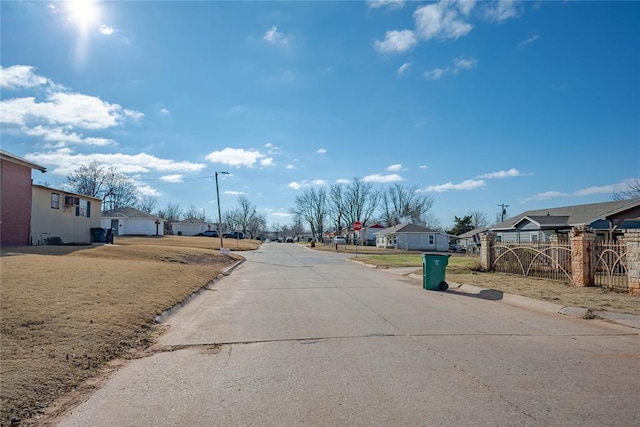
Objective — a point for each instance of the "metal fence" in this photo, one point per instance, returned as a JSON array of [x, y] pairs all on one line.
[[610, 261], [545, 261]]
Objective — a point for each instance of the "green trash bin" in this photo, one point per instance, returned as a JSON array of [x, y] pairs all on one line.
[[434, 267]]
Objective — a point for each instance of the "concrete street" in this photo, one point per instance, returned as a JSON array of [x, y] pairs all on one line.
[[296, 337]]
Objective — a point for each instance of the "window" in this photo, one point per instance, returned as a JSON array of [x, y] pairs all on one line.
[[55, 201], [499, 238], [71, 201], [432, 239], [534, 237], [83, 208]]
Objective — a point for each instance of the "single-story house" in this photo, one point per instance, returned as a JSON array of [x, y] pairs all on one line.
[[412, 237], [15, 199], [191, 227], [367, 235], [470, 241], [607, 219], [132, 221], [58, 215]]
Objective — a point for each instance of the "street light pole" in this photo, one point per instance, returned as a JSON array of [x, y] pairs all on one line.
[[219, 214]]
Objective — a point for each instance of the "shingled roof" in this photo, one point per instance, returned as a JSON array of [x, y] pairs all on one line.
[[574, 215], [406, 228]]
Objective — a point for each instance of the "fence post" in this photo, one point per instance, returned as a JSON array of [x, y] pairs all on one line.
[[632, 241], [582, 268], [487, 250]]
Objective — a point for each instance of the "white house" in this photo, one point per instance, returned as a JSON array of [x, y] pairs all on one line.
[[63, 215], [367, 235], [412, 237], [191, 227], [131, 221]]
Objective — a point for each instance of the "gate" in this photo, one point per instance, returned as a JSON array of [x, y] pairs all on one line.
[[545, 261], [610, 260]]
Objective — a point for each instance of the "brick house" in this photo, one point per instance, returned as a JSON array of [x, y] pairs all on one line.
[[15, 199]]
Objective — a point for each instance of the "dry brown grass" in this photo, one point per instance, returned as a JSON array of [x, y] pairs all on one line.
[[68, 310]]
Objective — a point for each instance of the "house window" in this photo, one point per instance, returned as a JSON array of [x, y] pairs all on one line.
[[498, 237], [71, 201], [55, 201], [83, 208], [432, 239], [534, 237]]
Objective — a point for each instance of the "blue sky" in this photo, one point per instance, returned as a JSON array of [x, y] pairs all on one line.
[[530, 104]]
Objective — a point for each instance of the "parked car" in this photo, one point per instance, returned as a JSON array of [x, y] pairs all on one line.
[[209, 233], [234, 235], [289, 240], [340, 240]]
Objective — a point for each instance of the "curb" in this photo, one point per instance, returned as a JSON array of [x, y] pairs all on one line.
[[169, 311]]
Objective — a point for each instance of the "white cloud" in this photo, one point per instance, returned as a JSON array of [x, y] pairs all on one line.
[[281, 214], [465, 6], [237, 157], [234, 193], [382, 178], [67, 109], [441, 20], [20, 76], [394, 168], [469, 184], [459, 63], [322, 151], [604, 189], [172, 178], [389, 4], [305, 183], [61, 137], [502, 10], [267, 162], [436, 73], [64, 162], [147, 190], [342, 181], [502, 174], [106, 30], [164, 112], [528, 41], [423, 167], [545, 196], [290, 166], [404, 67], [268, 145], [273, 36], [396, 41]]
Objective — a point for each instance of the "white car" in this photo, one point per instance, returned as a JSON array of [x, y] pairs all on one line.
[[340, 240]]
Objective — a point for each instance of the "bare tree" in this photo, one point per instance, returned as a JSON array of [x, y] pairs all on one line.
[[257, 225], [194, 212], [311, 207], [122, 191], [171, 213], [116, 189], [361, 201], [231, 219], [479, 219], [401, 204], [147, 204], [336, 206], [631, 191], [246, 212]]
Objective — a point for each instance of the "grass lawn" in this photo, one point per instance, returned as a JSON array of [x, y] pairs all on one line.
[[68, 310]]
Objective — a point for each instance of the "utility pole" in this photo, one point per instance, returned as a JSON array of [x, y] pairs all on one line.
[[219, 214], [503, 211]]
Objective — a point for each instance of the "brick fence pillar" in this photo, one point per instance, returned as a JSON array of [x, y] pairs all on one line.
[[582, 268], [632, 241], [487, 250]]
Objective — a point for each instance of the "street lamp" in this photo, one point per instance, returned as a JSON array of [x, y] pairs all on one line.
[[219, 214]]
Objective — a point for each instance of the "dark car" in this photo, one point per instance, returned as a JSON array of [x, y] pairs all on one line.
[[209, 233], [234, 235]]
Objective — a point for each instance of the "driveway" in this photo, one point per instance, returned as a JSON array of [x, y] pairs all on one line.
[[298, 337]]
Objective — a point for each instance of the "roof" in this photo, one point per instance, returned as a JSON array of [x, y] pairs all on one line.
[[470, 234], [66, 192], [576, 214], [187, 221], [5, 155], [547, 221], [130, 213], [406, 228]]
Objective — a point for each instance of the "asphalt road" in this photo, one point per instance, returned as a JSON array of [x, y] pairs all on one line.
[[296, 337]]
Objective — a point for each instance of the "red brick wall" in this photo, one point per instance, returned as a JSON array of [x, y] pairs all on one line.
[[15, 210]]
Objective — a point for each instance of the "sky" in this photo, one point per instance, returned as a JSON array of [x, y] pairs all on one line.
[[530, 104]]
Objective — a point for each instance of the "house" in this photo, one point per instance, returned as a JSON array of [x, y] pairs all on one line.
[[606, 219], [412, 237], [470, 241], [15, 199], [59, 216], [131, 221], [367, 235], [191, 227]]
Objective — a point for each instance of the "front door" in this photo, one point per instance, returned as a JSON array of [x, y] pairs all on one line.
[[114, 225]]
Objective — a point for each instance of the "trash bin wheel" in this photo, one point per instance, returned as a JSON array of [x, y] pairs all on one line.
[[443, 286]]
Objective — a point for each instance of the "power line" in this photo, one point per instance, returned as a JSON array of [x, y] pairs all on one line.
[[503, 211]]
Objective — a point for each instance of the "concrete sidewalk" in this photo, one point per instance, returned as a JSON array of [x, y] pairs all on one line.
[[630, 320]]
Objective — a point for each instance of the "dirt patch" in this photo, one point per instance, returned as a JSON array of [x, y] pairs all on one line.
[[68, 311]]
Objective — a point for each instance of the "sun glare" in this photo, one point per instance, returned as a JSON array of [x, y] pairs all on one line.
[[83, 12]]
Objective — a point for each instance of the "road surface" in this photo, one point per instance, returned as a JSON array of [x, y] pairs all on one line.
[[297, 337]]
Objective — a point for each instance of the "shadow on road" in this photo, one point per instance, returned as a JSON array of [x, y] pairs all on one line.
[[488, 294]]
